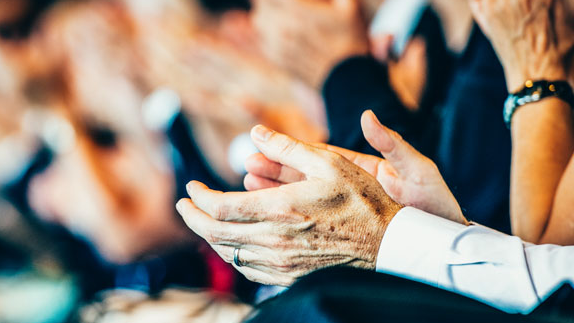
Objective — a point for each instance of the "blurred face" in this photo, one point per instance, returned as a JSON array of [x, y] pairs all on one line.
[[113, 185], [111, 192], [96, 41]]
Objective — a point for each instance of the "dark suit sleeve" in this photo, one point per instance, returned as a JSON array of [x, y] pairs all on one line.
[[346, 295]]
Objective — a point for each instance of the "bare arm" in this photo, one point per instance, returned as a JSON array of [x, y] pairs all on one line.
[[532, 39], [543, 142], [560, 229]]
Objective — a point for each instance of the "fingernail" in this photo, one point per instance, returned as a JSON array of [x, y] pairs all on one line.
[[261, 133], [179, 206], [189, 186], [374, 117]]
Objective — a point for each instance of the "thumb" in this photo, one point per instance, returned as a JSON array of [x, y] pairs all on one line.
[[288, 151], [400, 154]]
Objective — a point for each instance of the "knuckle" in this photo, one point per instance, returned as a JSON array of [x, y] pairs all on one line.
[[220, 212], [285, 210], [213, 236], [289, 266], [336, 164], [334, 158], [288, 146], [282, 242]]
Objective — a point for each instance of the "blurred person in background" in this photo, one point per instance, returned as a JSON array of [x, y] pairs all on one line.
[[207, 53], [457, 98], [38, 262], [108, 180], [314, 210], [102, 177], [115, 178]]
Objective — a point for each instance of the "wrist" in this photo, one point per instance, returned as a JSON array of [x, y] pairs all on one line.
[[535, 91], [378, 234], [515, 79]]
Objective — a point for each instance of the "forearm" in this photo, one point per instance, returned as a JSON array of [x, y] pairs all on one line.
[[561, 222], [543, 141]]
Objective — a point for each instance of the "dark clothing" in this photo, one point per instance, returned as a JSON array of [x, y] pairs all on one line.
[[462, 130], [345, 295], [474, 147]]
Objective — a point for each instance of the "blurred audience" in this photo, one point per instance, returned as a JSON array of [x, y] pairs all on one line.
[[108, 108]]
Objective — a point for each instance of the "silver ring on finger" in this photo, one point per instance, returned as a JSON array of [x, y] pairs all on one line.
[[236, 260]]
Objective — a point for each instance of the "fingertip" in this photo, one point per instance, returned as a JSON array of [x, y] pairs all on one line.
[[183, 205], [255, 183], [188, 212], [253, 162], [190, 187], [260, 134], [249, 182], [369, 117], [377, 135], [194, 187]]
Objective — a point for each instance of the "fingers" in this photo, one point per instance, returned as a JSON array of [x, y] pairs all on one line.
[[220, 233], [402, 156], [367, 162], [267, 206], [255, 183], [232, 206], [260, 166], [257, 266], [290, 152], [262, 277], [205, 226]]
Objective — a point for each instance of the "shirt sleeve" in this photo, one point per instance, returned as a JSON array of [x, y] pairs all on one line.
[[475, 261]]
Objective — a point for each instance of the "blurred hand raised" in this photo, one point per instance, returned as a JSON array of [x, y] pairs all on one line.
[[531, 37], [309, 37]]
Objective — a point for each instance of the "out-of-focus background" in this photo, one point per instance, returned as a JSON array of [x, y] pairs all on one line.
[[107, 109]]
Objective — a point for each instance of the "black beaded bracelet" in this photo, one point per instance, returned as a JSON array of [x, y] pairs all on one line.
[[535, 91]]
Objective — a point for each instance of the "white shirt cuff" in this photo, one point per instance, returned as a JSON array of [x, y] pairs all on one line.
[[416, 245], [474, 261]]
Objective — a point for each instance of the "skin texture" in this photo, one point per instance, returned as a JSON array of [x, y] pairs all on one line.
[[533, 39], [405, 174], [336, 216], [313, 205], [300, 45]]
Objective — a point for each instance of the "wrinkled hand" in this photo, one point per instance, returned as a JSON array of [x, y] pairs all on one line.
[[406, 175], [309, 37], [336, 216], [531, 37]]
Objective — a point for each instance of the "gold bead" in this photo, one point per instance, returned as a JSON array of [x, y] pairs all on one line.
[[552, 88], [529, 84]]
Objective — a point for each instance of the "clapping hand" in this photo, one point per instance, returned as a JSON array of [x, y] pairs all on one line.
[[336, 216], [406, 175]]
